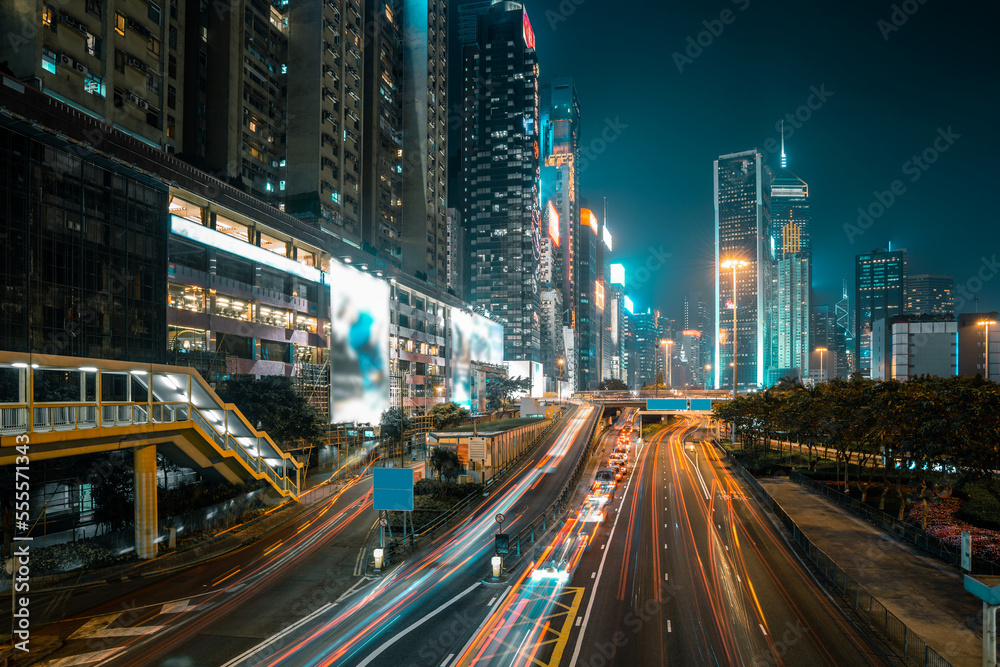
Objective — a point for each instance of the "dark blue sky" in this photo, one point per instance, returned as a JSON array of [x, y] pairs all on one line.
[[890, 95]]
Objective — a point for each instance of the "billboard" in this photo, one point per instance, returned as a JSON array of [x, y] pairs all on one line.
[[473, 338], [359, 346], [533, 370], [666, 404], [392, 489]]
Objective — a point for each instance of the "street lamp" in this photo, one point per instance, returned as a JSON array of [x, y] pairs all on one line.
[[734, 264], [561, 362], [821, 350], [987, 323]]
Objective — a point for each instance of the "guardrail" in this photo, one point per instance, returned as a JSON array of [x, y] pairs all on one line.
[[866, 606], [934, 546]]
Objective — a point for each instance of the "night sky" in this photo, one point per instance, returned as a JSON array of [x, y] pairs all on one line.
[[886, 99]]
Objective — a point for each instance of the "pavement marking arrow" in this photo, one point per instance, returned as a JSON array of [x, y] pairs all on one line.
[[98, 627]]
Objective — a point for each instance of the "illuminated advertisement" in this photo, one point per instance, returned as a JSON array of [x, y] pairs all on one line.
[[618, 274], [607, 237], [599, 295], [359, 346], [628, 305], [553, 224], [529, 34], [588, 218], [691, 332], [473, 338], [533, 371]]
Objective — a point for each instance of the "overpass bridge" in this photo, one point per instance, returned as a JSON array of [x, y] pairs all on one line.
[[142, 407], [670, 405]]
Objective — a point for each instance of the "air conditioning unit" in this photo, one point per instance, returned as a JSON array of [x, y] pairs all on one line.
[[66, 60], [80, 67], [142, 104]]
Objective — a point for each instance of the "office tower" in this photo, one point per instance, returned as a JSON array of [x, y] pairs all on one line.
[[500, 196], [628, 343], [706, 326], [825, 335], [617, 315], [689, 371], [124, 63], [589, 317], [742, 234], [552, 344], [648, 359], [560, 186], [425, 139], [844, 336], [928, 294], [791, 224], [468, 14], [880, 278], [603, 287]]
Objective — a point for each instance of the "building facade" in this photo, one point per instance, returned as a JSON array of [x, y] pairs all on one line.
[[880, 282], [500, 174], [742, 233], [977, 334], [928, 294], [904, 348]]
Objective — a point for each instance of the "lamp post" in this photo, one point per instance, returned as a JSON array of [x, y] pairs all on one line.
[[734, 264], [821, 350], [561, 362], [987, 324]]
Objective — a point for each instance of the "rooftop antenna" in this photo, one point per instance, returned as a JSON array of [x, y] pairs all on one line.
[[784, 161]]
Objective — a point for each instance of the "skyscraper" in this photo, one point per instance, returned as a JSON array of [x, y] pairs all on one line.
[[791, 224], [742, 233], [500, 175], [880, 278], [589, 317], [646, 332], [928, 294], [844, 336]]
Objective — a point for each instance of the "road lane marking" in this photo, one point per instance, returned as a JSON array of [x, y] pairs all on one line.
[[762, 628], [666, 576], [402, 633], [97, 628], [447, 660], [350, 590], [492, 600], [578, 621], [593, 574], [83, 658], [669, 629], [246, 654]]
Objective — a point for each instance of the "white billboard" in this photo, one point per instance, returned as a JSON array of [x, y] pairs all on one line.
[[359, 346], [473, 338]]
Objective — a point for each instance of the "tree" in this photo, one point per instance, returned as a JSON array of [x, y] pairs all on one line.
[[500, 393], [273, 403], [114, 492], [444, 462], [612, 384], [390, 424], [448, 414]]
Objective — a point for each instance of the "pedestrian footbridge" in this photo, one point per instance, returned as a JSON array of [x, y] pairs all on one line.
[[67, 406]]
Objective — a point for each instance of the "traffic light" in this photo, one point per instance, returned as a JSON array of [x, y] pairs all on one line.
[[502, 544]]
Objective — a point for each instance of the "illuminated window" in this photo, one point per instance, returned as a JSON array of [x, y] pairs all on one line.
[[120, 23], [228, 306], [186, 297], [49, 60], [274, 245], [232, 228], [47, 17], [186, 210]]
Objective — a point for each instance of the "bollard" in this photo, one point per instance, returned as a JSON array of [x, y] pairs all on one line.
[[517, 546], [532, 537]]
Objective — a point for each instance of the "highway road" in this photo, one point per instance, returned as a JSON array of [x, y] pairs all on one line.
[[301, 597], [685, 571]]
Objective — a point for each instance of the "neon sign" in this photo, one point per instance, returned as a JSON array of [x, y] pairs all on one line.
[[553, 224], [529, 34]]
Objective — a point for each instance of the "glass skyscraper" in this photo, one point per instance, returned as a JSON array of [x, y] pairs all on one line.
[[743, 232], [880, 280]]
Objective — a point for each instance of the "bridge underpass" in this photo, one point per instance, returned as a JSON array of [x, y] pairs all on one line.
[[147, 408]]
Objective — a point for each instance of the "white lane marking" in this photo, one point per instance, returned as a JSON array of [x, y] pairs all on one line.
[[180, 606], [350, 590], [602, 547], [666, 576], [83, 658], [669, 629], [500, 599], [738, 579], [492, 600], [664, 546], [578, 620], [447, 660], [593, 574], [98, 627], [762, 628], [243, 656], [399, 635]]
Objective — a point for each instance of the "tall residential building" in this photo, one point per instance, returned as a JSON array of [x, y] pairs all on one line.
[[880, 279], [742, 232], [845, 336], [424, 233], [468, 15], [617, 319], [791, 223], [589, 317], [648, 359], [928, 294], [458, 257], [500, 175]]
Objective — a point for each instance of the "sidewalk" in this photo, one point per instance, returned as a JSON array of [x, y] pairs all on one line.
[[927, 595]]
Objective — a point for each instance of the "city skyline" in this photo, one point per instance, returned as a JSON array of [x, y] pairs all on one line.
[[875, 106]]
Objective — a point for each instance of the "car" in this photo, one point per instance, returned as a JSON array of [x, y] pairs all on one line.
[[621, 449], [606, 475], [620, 466], [593, 509]]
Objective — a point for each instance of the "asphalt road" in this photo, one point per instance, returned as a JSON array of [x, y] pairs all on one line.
[[689, 571], [300, 596]]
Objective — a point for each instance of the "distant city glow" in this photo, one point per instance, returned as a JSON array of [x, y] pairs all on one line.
[[618, 274]]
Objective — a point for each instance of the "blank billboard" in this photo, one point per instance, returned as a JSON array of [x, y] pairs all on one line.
[[392, 489], [473, 338], [359, 346]]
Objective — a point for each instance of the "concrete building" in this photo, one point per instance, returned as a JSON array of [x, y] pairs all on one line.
[[904, 348], [972, 345]]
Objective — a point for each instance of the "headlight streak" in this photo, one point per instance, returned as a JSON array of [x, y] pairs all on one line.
[[462, 545]]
